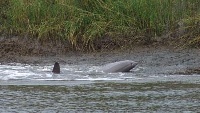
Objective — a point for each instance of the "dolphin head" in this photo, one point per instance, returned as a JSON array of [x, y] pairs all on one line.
[[56, 68], [127, 66], [120, 66]]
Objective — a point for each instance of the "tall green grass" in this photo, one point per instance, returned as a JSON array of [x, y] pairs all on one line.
[[82, 22]]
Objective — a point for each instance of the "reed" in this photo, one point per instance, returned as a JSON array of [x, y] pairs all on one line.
[[82, 22]]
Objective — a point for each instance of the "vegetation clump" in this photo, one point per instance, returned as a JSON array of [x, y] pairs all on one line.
[[96, 24]]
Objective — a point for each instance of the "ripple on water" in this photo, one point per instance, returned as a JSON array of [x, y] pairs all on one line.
[[102, 97], [83, 73], [69, 72]]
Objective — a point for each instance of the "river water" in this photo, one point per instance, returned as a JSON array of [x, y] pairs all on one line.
[[81, 87]]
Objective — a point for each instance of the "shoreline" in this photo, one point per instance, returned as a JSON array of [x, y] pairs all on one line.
[[154, 59], [26, 50]]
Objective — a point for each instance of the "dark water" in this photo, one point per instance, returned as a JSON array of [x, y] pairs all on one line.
[[102, 97]]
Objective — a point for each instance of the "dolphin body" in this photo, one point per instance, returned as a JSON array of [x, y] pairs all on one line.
[[120, 66]]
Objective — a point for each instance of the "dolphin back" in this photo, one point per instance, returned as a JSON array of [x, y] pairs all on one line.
[[120, 66]]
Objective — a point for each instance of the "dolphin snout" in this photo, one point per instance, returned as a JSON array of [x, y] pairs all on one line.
[[134, 63]]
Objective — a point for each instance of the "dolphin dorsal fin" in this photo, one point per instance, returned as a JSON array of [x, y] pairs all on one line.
[[56, 68]]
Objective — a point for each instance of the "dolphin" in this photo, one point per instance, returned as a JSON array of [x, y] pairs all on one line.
[[120, 66], [56, 68]]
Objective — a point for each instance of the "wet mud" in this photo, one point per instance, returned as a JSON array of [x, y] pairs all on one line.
[[151, 59]]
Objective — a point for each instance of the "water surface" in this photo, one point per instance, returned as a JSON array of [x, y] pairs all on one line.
[[82, 88]]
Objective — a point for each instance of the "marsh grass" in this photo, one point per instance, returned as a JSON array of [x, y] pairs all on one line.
[[82, 22]]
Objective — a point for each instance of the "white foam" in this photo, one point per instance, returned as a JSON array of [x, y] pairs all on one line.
[[99, 79], [78, 73], [48, 75], [45, 68], [50, 79]]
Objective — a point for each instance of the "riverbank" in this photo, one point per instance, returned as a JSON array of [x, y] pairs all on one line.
[[155, 58], [75, 25], [15, 49], [26, 50]]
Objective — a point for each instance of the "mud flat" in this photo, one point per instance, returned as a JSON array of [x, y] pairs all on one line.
[[154, 60]]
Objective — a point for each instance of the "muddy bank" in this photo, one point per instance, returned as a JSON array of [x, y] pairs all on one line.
[[23, 49], [154, 59]]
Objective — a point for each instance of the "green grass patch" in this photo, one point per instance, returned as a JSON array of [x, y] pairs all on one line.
[[83, 23]]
